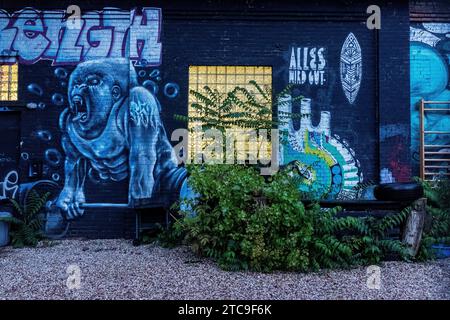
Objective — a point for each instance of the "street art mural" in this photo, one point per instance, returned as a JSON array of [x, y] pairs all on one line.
[[104, 86], [430, 73], [48, 35], [9, 185], [399, 168], [351, 67], [326, 163], [307, 65], [112, 129]]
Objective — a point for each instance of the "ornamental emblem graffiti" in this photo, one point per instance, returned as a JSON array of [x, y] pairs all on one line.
[[351, 67]]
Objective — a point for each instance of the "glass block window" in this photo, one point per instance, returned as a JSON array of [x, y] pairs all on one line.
[[9, 82], [225, 79]]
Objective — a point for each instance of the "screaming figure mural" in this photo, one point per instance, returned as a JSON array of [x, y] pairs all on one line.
[[113, 127]]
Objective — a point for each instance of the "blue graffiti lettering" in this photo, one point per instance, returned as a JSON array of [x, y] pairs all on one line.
[[35, 35]]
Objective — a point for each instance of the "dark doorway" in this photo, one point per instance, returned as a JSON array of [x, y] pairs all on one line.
[[9, 154]]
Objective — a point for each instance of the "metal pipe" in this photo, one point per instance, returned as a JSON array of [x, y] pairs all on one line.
[[51, 205], [103, 205]]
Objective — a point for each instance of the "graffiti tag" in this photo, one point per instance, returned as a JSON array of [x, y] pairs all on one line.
[[35, 35], [9, 186]]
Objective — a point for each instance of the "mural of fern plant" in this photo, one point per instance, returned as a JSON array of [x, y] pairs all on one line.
[[27, 225]]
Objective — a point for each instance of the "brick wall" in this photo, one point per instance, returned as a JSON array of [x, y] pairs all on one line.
[[358, 124]]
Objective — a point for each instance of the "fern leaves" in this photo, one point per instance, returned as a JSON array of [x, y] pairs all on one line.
[[27, 226]]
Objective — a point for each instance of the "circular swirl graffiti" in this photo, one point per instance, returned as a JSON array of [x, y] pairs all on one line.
[[171, 90]]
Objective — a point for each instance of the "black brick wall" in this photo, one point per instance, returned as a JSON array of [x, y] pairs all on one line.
[[249, 33]]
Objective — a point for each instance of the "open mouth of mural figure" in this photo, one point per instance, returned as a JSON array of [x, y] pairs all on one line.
[[80, 109]]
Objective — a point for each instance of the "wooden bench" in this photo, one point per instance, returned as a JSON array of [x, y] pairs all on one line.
[[412, 229]]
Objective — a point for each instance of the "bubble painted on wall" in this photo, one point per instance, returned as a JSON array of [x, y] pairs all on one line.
[[58, 99], [43, 135], [25, 156], [35, 89], [53, 157], [151, 86], [171, 90], [61, 73]]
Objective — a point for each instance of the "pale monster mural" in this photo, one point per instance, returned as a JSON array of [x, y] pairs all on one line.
[[113, 127]]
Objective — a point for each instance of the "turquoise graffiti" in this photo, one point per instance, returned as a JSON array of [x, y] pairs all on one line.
[[327, 165], [430, 63]]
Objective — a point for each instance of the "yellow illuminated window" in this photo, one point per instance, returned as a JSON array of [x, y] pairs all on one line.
[[225, 79], [8, 82]]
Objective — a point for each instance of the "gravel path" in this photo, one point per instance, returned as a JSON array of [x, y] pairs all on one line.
[[114, 269]]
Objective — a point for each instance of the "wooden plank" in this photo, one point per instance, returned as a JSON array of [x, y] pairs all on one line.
[[436, 132], [360, 204], [437, 167], [436, 174], [412, 234], [435, 102], [422, 139]]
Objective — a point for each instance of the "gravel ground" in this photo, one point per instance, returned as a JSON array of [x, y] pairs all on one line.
[[114, 269]]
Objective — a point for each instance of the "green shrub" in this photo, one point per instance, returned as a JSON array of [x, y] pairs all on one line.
[[26, 227], [438, 209], [245, 221]]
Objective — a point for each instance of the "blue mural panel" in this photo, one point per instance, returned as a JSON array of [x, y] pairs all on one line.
[[430, 75]]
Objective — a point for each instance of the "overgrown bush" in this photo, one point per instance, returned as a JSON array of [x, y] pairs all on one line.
[[245, 221], [438, 209]]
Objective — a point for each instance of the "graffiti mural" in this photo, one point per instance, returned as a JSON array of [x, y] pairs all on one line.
[[105, 90], [430, 74], [45, 35], [328, 166], [307, 65], [9, 185], [112, 129], [351, 67]]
